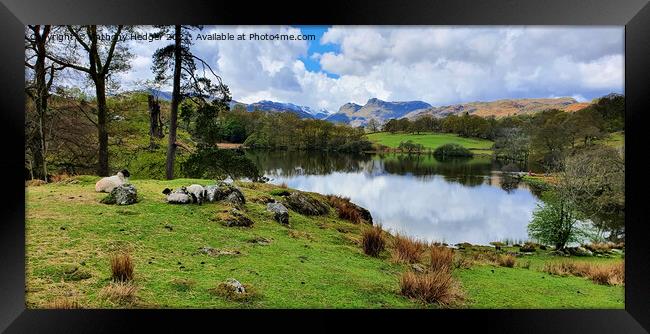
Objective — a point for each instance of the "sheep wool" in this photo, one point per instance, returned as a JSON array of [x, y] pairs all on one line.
[[107, 184], [198, 191]]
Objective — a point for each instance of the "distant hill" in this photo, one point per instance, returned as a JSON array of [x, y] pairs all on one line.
[[357, 115], [264, 105]]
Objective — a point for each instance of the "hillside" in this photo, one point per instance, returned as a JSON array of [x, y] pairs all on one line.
[[182, 252], [502, 108], [382, 111]]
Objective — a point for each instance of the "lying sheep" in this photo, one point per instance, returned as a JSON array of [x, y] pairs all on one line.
[[198, 192], [107, 184], [179, 196]]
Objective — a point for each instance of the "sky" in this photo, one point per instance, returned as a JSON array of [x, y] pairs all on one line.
[[440, 65]]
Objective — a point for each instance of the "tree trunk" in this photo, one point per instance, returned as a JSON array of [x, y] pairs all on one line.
[[102, 132], [176, 95], [155, 125], [42, 95]]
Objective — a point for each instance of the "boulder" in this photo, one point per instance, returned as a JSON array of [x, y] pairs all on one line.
[[235, 218], [580, 251], [306, 204], [235, 286], [125, 194], [236, 199], [280, 212], [222, 191]]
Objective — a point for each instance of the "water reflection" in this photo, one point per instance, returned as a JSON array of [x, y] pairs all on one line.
[[451, 201]]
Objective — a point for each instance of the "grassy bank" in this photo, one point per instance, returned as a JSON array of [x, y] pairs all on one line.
[[316, 262], [431, 141]]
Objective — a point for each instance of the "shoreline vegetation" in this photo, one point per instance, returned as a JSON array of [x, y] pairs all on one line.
[[178, 256]]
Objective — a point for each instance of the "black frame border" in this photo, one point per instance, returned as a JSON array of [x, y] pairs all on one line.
[[634, 14]]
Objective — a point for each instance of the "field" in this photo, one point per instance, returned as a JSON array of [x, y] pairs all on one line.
[[432, 140], [316, 262]]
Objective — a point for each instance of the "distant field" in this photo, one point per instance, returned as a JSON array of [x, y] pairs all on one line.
[[432, 140], [615, 140]]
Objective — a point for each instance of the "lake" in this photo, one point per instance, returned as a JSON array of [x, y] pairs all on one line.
[[451, 201]]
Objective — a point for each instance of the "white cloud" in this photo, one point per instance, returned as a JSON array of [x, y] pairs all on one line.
[[439, 65]]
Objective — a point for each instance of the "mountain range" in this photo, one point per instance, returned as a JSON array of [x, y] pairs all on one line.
[[359, 115]]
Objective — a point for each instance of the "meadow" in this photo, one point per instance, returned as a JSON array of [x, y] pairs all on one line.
[[181, 253], [432, 140]]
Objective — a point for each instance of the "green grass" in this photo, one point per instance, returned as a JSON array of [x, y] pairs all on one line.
[[614, 139], [314, 263], [432, 140]]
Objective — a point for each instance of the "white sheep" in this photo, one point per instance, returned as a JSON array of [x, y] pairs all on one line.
[[198, 191], [107, 184], [179, 196]]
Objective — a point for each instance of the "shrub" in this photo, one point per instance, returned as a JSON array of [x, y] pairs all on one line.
[[452, 150], [556, 222], [430, 287], [120, 292], [373, 241], [121, 267], [214, 163], [506, 261], [345, 209], [527, 247], [407, 249], [62, 303], [442, 258], [605, 274]]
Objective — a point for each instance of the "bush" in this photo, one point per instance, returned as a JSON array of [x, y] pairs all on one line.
[[452, 150], [604, 274], [506, 261], [214, 163], [410, 147], [120, 292], [122, 267], [345, 209], [431, 287], [407, 249], [442, 258], [556, 222], [373, 241], [527, 247]]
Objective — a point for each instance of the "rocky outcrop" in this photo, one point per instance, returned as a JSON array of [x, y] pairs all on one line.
[[234, 218], [125, 194], [305, 204], [280, 212]]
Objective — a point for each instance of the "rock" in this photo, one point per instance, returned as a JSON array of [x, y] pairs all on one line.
[[236, 199], [580, 251], [280, 212], [125, 194], [527, 248], [235, 286], [418, 268], [306, 204], [217, 252], [236, 218], [222, 191]]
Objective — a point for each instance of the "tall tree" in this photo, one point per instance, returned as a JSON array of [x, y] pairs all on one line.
[[38, 88], [104, 56], [178, 59]]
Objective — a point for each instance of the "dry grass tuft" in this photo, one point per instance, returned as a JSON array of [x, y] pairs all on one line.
[[604, 274], [430, 287], [120, 292], [441, 258], [121, 267], [506, 261], [62, 303], [34, 183], [59, 177], [182, 284], [373, 241], [345, 209], [407, 249]]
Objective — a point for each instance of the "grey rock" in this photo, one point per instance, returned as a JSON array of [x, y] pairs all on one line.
[[236, 286], [306, 204], [237, 219], [236, 199], [580, 251], [280, 212], [418, 268], [125, 194]]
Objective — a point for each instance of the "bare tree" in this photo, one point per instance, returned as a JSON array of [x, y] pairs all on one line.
[[105, 56], [38, 89]]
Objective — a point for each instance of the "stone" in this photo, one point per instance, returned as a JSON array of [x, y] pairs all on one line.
[[125, 194], [236, 199], [580, 251], [305, 204], [280, 212], [236, 218], [235, 286], [418, 268]]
